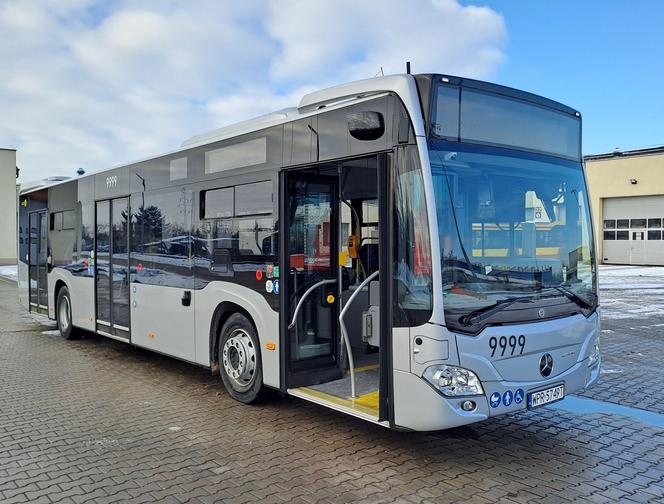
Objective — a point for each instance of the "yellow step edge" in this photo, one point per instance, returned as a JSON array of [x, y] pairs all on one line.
[[366, 403]]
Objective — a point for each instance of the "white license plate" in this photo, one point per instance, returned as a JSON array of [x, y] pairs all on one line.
[[546, 396]]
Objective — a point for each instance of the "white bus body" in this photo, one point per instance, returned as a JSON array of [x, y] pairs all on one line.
[[416, 251]]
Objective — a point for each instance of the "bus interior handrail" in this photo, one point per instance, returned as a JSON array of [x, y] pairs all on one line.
[[304, 296], [344, 332]]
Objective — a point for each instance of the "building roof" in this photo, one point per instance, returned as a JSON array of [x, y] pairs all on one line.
[[626, 153]]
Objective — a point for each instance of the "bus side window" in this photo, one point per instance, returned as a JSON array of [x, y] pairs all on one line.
[[412, 254]]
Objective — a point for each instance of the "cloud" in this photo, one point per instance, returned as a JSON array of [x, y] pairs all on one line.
[[91, 83]]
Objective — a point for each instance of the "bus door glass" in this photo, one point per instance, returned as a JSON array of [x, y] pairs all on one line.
[[38, 259], [111, 271], [312, 270]]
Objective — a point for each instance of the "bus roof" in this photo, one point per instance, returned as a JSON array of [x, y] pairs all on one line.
[[404, 85], [330, 98]]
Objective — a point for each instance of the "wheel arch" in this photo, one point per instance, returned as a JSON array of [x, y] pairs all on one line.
[[221, 314], [59, 284]]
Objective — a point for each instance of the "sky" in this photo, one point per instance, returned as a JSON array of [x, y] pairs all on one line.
[[95, 83]]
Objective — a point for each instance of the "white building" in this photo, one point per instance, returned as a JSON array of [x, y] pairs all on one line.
[[7, 206]]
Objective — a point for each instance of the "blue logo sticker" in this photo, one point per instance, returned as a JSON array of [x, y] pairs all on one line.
[[518, 396], [507, 397], [275, 288], [494, 400]]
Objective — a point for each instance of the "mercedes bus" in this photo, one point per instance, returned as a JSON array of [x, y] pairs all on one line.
[[413, 250]]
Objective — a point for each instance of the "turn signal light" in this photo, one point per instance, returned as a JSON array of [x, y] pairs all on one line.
[[271, 345]]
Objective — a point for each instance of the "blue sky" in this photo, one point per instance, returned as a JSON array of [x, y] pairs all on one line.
[[605, 58], [92, 83]]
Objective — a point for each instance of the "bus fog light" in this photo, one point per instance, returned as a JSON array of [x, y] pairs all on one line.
[[468, 405], [453, 381]]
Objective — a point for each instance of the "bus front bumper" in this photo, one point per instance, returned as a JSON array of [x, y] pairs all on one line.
[[418, 406]]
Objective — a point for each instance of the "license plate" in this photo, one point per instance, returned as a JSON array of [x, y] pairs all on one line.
[[546, 396]]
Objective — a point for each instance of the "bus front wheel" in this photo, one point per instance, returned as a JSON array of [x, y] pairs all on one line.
[[240, 359], [63, 315]]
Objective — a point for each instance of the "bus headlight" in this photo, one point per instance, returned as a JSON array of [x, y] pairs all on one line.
[[594, 354], [453, 381]]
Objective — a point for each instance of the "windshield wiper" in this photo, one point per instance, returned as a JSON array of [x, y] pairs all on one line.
[[572, 296], [480, 314]]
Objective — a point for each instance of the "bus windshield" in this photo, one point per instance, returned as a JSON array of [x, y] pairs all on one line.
[[515, 236]]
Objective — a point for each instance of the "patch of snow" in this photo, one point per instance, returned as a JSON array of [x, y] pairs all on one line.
[[10, 272], [610, 371], [623, 271], [51, 333]]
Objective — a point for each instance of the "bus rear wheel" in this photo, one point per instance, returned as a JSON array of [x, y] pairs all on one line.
[[240, 359], [63, 315]]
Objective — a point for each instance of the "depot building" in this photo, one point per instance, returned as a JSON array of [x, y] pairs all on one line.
[[627, 198]]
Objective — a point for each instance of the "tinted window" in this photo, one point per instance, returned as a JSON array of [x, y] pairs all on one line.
[[412, 246], [446, 123], [256, 236], [638, 223], [68, 219], [56, 221], [623, 223], [161, 238], [218, 203], [609, 224], [609, 235], [654, 235], [87, 230], [622, 235], [249, 153], [498, 120], [239, 238], [178, 169], [654, 223], [253, 199]]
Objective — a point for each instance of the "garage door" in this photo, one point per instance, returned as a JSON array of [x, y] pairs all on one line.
[[632, 230]]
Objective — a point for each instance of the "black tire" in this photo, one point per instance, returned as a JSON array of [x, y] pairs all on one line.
[[63, 315], [240, 360]]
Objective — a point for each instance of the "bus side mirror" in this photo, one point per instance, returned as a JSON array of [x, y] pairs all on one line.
[[366, 125]]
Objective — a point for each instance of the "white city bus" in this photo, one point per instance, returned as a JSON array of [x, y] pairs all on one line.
[[413, 250]]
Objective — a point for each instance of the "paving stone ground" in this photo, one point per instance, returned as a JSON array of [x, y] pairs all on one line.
[[99, 421]]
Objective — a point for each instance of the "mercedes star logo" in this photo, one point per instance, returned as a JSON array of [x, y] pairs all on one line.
[[546, 364]]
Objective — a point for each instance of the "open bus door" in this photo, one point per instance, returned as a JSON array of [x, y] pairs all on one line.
[[324, 283], [310, 278]]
